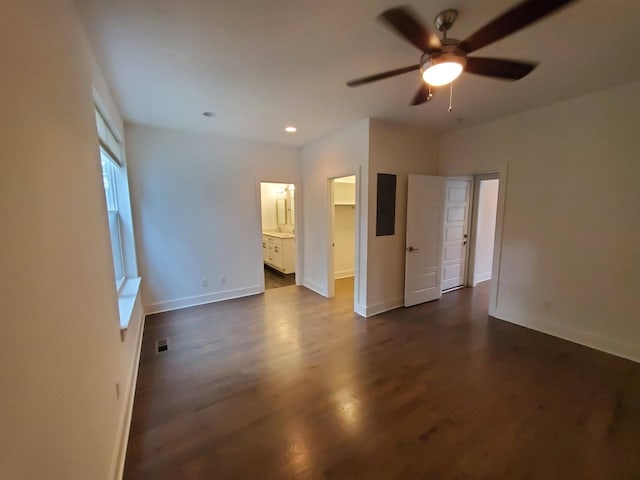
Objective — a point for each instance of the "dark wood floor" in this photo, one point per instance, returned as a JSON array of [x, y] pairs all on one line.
[[291, 385], [275, 279]]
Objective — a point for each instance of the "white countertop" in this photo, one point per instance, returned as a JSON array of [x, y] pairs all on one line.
[[279, 234]]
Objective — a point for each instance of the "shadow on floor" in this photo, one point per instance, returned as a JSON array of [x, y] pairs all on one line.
[[275, 279]]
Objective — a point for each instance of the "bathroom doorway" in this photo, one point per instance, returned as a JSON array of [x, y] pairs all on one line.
[[279, 247]]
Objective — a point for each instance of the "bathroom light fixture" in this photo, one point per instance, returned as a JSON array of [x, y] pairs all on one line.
[[290, 129]]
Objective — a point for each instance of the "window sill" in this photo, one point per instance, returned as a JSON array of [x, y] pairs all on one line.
[[126, 301]]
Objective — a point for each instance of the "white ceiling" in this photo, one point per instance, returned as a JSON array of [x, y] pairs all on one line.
[[264, 64]]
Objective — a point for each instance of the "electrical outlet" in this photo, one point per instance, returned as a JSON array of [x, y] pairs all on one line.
[[223, 280], [117, 390], [204, 282]]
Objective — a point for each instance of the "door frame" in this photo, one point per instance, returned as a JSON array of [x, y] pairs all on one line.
[[298, 237], [477, 179], [503, 173], [331, 270]]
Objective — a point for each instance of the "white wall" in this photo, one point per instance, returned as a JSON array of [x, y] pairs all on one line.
[[344, 233], [62, 353], [570, 259], [344, 192], [197, 205], [342, 154], [399, 150], [269, 193], [486, 209]]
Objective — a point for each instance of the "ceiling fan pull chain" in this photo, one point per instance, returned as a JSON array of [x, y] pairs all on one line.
[[451, 98], [430, 94]]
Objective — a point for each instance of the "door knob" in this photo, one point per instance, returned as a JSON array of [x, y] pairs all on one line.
[[412, 249]]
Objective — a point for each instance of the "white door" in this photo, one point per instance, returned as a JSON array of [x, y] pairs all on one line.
[[423, 258], [456, 230]]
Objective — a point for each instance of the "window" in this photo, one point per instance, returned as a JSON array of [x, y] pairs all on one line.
[[116, 191], [110, 173]]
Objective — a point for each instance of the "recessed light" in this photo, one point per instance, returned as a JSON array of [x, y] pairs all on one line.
[[209, 114], [290, 129]]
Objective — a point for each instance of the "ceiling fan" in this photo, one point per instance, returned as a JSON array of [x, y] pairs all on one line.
[[443, 60]]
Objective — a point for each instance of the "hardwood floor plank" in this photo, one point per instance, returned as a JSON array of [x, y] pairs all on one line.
[[290, 385]]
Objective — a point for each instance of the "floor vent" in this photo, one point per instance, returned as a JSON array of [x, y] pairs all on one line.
[[162, 345]]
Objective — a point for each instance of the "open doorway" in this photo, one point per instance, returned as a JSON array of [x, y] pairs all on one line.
[[454, 225], [471, 206], [342, 262], [279, 248], [485, 211]]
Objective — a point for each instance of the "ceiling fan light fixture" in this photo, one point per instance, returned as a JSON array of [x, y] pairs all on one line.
[[442, 73], [443, 69]]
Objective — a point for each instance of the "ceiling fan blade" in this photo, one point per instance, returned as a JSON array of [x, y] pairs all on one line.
[[423, 95], [511, 21], [496, 67], [381, 76], [404, 22]]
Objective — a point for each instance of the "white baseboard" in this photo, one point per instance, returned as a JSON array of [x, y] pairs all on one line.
[[385, 306], [314, 287], [126, 422], [572, 334], [344, 274], [201, 299], [481, 277], [360, 310]]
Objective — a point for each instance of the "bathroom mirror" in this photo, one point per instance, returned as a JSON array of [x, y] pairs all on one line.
[[281, 211]]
